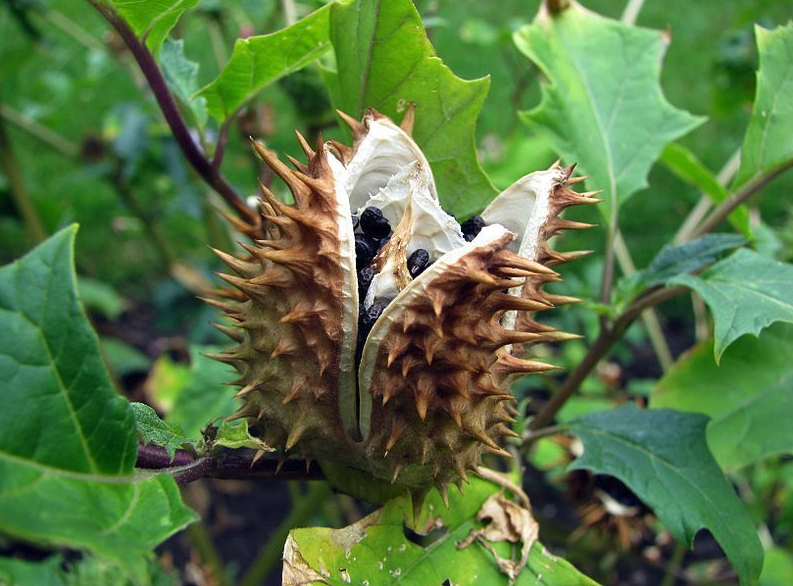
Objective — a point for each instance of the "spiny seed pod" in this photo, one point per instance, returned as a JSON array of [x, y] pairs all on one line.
[[396, 364]]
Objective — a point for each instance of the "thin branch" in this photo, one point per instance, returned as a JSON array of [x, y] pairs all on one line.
[[172, 115], [726, 207], [201, 540], [704, 204], [44, 134], [649, 317], [531, 436], [290, 12], [609, 335], [16, 186], [631, 12], [226, 466], [300, 516], [607, 278]]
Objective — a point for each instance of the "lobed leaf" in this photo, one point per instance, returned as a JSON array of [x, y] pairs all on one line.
[[743, 395], [153, 430], [663, 457], [385, 61], [67, 440], [376, 551], [746, 292], [768, 144], [181, 74], [602, 106], [153, 19], [260, 60]]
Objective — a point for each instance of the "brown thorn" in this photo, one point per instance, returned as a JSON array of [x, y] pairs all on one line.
[[356, 126], [304, 144]]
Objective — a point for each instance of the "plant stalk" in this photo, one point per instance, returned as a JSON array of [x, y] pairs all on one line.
[[649, 317], [726, 207], [16, 185], [172, 115], [608, 336], [44, 134], [202, 542], [271, 553]]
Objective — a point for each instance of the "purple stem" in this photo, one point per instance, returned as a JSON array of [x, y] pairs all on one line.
[[159, 87]]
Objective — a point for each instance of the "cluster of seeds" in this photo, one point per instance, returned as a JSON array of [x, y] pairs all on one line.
[[471, 227], [372, 232]]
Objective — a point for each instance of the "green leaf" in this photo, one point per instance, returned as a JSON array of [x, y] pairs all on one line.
[[261, 60], [385, 61], [100, 297], [123, 359], [153, 19], [88, 571], [687, 167], [663, 457], [51, 370], [744, 395], [778, 568], [673, 261], [14, 572], [376, 551], [67, 441], [182, 77], [235, 435], [192, 396], [603, 106], [768, 144], [153, 430], [746, 292]]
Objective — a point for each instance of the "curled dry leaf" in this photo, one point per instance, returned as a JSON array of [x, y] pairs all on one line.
[[505, 521], [296, 570]]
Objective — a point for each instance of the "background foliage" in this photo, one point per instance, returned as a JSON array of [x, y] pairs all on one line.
[[654, 117]]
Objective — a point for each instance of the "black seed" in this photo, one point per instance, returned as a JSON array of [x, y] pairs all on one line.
[[371, 315], [418, 262], [355, 222], [364, 253], [365, 276], [471, 227], [374, 224]]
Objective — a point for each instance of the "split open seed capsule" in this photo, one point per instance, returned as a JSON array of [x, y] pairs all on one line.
[[404, 377]]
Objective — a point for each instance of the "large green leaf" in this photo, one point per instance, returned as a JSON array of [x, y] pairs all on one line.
[[261, 60], [603, 106], [67, 441], [744, 395], [687, 167], [662, 455], [746, 292], [153, 19], [385, 61], [376, 551], [768, 143]]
